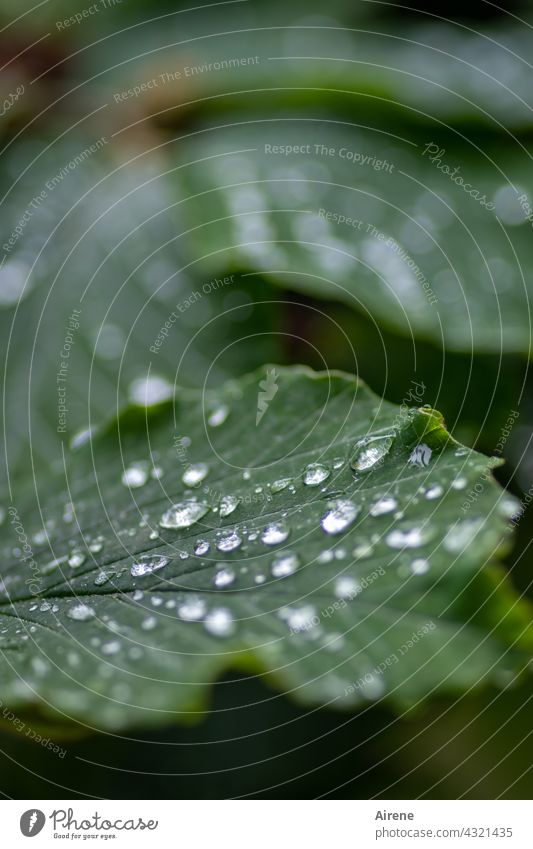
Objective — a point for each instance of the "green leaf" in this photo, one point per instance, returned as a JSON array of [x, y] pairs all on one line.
[[375, 220], [318, 540]]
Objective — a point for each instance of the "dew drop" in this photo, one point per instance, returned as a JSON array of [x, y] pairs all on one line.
[[184, 514], [385, 505], [229, 542], [192, 610], [341, 514], [347, 587], [147, 564], [81, 613], [201, 547], [195, 474], [218, 416], [275, 533], [111, 648], [369, 452], [76, 559], [225, 577], [459, 483], [315, 474], [434, 492], [285, 564], [135, 476], [228, 503], [280, 484], [149, 623], [461, 535], [419, 566], [408, 537], [219, 622]]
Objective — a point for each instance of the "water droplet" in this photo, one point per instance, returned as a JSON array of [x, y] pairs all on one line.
[[284, 564], [96, 545], [201, 547], [461, 535], [385, 505], [412, 537], [149, 623], [280, 484], [195, 474], [81, 613], [219, 622], [224, 577], [45, 606], [76, 559], [370, 451], [347, 587], [434, 492], [228, 503], [338, 463], [459, 483], [218, 416], [147, 564], [275, 533], [184, 514], [315, 474], [148, 391], [103, 577], [192, 610], [509, 508], [135, 476], [419, 566], [229, 542], [300, 619], [341, 514], [421, 455], [111, 648]]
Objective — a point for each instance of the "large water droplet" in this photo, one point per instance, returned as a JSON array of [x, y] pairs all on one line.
[[147, 564], [284, 564], [81, 613], [228, 503], [275, 533], [370, 451], [315, 474], [229, 542], [195, 474], [184, 514], [341, 514]]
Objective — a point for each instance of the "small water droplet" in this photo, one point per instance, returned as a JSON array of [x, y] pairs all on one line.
[[412, 537], [384, 505], [280, 484], [201, 547], [315, 474], [341, 514], [459, 483], [184, 514], [284, 564], [192, 610], [149, 623], [195, 474], [135, 476], [225, 577], [76, 559], [275, 533], [419, 566], [434, 492], [147, 564], [111, 648], [228, 503], [461, 535], [218, 416], [370, 451], [219, 622], [347, 587], [81, 613], [229, 542], [96, 545]]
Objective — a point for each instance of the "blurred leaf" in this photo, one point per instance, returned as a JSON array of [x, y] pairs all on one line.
[[290, 523]]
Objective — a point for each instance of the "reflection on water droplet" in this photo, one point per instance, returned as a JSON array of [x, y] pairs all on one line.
[[370, 451], [81, 613], [285, 564], [229, 542], [315, 474], [385, 505], [219, 622], [184, 514], [274, 533], [147, 564], [195, 474], [228, 503], [341, 514]]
